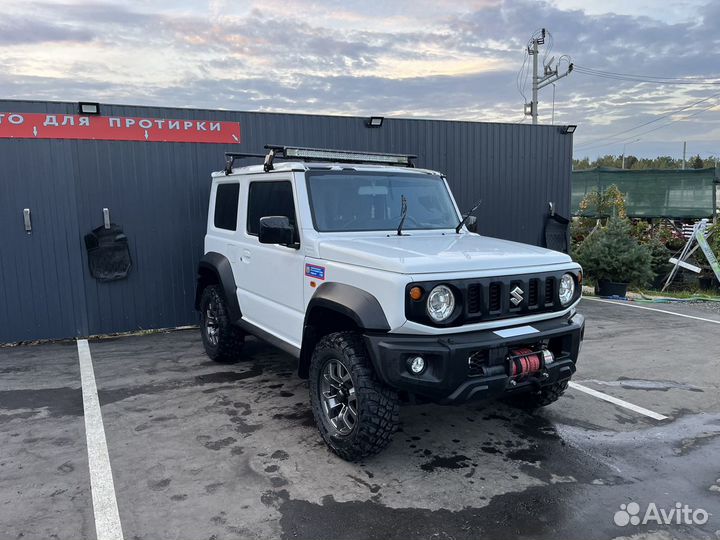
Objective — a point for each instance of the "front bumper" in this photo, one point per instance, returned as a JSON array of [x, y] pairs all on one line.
[[450, 376]]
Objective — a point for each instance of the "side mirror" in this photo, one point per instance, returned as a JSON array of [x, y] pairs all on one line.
[[276, 230], [471, 224]]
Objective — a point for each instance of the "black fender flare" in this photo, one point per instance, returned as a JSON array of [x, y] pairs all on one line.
[[354, 303], [219, 267], [359, 305]]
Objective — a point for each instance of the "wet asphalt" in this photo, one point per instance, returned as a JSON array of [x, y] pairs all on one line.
[[207, 451]]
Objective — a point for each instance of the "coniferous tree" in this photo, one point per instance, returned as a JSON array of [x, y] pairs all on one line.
[[613, 254]]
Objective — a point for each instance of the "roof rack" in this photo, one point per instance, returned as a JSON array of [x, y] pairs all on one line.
[[230, 158], [326, 154]]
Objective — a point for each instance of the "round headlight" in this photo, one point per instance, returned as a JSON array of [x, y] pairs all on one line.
[[567, 289], [440, 303]]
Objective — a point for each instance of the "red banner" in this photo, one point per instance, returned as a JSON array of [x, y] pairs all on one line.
[[116, 128]]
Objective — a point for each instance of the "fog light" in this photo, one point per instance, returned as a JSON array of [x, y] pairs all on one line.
[[416, 365], [548, 357]]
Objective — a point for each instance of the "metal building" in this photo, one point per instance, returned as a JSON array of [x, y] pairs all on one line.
[[59, 169]]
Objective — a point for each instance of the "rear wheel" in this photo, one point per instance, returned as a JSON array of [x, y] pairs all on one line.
[[355, 413], [222, 340], [541, 398]]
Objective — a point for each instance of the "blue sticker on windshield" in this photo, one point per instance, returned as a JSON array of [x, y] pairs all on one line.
[[315, 271]]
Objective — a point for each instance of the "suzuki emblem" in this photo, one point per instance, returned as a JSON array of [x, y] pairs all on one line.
[[516, 296]]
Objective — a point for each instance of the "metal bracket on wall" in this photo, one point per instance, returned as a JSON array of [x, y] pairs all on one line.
[[27, 220], [106, 218]]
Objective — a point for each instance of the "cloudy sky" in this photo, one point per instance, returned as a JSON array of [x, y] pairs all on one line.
[[442, 59]]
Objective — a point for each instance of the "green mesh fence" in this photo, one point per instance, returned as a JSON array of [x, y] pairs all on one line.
[[652, 193]]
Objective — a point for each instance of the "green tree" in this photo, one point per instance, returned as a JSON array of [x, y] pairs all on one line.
[[613, 254], [580, 164], [603, 204], [632, 162], [696, 162]]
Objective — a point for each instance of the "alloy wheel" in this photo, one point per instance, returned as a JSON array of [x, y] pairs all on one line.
[[338, 397], [212, 326]]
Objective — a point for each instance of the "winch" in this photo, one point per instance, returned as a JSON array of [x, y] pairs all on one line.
[[525, 361]]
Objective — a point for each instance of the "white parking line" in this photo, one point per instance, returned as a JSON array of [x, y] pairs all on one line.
[[616, 401], [628, 304], [107, 519]]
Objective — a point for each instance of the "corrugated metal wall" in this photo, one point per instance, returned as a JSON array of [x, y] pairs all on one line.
[[158, 193]]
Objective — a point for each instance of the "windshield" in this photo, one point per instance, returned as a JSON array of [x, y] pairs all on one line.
[[370, 201]]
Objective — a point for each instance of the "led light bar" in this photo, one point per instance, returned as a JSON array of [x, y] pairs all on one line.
[[340, 155], [348, 156]]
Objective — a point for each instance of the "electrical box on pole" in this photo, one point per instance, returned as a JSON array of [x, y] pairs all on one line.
[[549, 76]]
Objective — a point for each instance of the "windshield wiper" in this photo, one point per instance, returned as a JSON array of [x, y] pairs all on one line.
[[465, 218], [403, 214]]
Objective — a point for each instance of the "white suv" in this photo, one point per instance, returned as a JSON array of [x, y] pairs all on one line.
[[363, 268]]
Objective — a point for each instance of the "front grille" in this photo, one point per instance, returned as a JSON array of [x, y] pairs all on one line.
[[533, 293], [549, 290], [494, 297], [491, 298], [474, 298]]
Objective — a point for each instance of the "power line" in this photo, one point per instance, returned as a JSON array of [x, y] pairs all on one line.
[[647, 78], [695, 113], [648, 81], [661, 117]]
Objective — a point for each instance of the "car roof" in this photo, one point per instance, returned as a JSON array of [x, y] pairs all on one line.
[[303, 166]]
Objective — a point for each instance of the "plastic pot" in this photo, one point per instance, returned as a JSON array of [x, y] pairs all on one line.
[[605, 287]]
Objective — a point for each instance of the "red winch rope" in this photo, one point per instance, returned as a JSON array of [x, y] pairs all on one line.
[[528, 361]]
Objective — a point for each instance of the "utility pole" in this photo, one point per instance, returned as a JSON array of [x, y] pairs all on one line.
[[684, 150], [550, 75], [534, 102], [623, 154]]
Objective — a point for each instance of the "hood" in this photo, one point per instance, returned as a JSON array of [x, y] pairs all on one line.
[[424, 254]]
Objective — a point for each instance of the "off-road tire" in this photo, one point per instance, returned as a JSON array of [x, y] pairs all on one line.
[[378, 406], [230, 339], [542, 398]]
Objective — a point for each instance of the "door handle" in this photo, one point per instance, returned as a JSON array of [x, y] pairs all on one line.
[[246, 256], [27, 220]]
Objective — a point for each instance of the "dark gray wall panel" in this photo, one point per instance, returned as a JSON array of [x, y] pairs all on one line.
[[41, 289], [158, 193]]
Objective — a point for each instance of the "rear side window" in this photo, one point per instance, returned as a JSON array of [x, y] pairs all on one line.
[[269, 199], [226, 206]]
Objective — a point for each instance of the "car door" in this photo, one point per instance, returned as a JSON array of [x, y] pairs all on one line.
[[270, 288]]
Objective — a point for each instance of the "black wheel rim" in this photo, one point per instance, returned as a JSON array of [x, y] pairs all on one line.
[[339, 401], [212, 327]]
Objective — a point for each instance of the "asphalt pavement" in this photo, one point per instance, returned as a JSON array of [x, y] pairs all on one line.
[[207, 451]]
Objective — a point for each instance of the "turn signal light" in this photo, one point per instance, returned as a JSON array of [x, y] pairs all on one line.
[[416, 293]]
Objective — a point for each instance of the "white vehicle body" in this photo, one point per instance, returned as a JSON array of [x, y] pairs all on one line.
[[273, 290]]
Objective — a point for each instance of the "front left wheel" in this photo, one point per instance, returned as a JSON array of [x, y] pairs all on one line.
[[222, 340], [354, 411]]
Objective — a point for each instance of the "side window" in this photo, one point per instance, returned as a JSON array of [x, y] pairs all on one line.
[[226, 206], [269, 199]]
